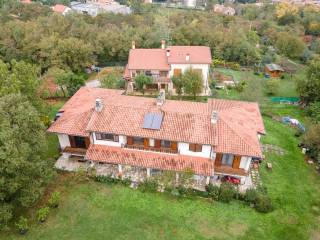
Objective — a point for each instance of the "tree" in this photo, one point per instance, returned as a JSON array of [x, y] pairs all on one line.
[[113, 80], [179, 84], [70, 82], [141, 80], [290, 45], [23, 171], [313, 110], [286, 13], [309, 86], [193, 82]]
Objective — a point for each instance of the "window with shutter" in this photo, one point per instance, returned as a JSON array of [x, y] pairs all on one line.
[[198, 148], [192, 147]]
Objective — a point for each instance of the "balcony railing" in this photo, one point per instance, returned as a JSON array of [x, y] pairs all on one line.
[[153, 149], [77, 151], [159, 79]]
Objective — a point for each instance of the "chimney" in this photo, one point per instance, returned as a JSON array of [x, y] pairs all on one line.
[[168, 52], [214, 117], [133, 45], [161, 98], [187, 57], [99, 105], [163, 44]]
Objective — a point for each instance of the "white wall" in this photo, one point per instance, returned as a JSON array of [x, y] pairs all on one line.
[[203, 67], [122, 140], [245, 163], [183, 149], [63, 140]]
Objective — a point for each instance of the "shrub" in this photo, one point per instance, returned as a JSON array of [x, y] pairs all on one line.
[[22, 225], [272, 86], [43, 213], [251, 195], [54, 200], [263, 204], [227, 192], [213, 191], [149, 185]]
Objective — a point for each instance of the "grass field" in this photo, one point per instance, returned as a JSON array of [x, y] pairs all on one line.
[[91, 210]]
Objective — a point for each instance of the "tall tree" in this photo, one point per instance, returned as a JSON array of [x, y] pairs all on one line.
[[193, 82], [23, 172], [309, 86]]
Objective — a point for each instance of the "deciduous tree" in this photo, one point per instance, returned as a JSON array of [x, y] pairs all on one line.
[[23, 171], [193, 82]]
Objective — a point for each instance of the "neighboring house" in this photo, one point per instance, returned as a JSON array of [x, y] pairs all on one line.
[[164, 63], [26, 1], [59, 8], [274, 70], [119, 134], [93, 8], [219, 8]]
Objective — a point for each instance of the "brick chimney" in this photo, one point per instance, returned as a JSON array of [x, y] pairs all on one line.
[[163, 44], [161, 98], [187, 57], [133, 45], [168, 52]]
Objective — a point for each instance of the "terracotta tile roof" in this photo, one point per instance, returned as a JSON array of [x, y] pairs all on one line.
[[173, 162], [59, 8], [156, 59], [153, 59], [78, 110], [235, 132], [197, 54]]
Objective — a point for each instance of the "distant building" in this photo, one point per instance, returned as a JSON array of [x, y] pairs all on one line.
[[93, 8], [59, 8], [26, 1], [274, 70], [219, 8]]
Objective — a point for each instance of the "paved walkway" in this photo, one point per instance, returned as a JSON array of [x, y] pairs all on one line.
[[93, 83], [273, 149]]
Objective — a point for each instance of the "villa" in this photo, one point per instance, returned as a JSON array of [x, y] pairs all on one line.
[[139, 137]]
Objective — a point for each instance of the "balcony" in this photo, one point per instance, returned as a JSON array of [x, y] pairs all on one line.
[[76, 151], [159, 79], [152, 149]]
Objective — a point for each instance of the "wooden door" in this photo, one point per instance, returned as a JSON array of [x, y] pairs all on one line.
[[157, 143], [72, 141], [176, 72], [87, 142], [146, 142], [130, 140], [174, 146], [236, 162], [218, 160]]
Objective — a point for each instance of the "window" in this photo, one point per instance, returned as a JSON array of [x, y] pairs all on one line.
[[163, 73], [148, 73], [227, 159], [107, 137], [138, 140], [195, 147], [165, 144]]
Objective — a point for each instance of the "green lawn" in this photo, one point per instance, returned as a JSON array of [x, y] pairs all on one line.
[[91, 210]]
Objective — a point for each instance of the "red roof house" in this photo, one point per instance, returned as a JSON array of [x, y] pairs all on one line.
[[217, 138], [59, 8], [164, 63]]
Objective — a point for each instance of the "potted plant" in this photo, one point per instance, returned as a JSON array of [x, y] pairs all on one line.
[[22, 225]]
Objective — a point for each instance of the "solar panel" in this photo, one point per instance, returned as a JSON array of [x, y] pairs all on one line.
[[152, 121], [157, 120], [147, 121]]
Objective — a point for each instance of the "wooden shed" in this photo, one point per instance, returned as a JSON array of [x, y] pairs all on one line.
[[274, 70]]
